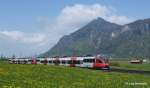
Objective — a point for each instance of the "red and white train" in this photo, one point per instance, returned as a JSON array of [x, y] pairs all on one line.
[[97, 62]]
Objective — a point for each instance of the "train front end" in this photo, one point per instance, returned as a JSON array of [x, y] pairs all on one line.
[[101, 63]]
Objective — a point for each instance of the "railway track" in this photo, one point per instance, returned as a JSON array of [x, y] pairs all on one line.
[[129, 71]]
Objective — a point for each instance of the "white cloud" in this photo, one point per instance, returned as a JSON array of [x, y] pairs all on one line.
[[22, 44], [24, 37]]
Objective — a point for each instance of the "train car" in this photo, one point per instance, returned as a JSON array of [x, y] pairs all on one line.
[[94, 62]]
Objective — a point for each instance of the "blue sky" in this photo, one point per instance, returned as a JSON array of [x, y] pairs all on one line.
[[29, 27]]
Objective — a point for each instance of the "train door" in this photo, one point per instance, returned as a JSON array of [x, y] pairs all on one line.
[[13, 61], [38, 61], [79, 62], [45, 61], [33, 61], [29, 61], [56, 61], [25, 61]]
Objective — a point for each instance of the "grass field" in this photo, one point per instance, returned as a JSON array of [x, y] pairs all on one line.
[[47, 76], [128, 65]]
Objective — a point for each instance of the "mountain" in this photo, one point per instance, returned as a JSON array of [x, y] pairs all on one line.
[[103, 37], [134, 39]]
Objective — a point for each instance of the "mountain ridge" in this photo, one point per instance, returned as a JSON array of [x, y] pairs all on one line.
[[103, 37]]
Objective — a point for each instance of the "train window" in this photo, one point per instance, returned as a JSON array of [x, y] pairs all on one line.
[[38, 60], [72, 62], [25, 61], [42, 61], [89, 60], [30, 60], [69, 62], [98, 61], [63, 62], [92, 60], [77, 62], [50, 61], [85, 60], [18, 61]]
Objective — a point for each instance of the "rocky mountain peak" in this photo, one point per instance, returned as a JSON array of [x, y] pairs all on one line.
[[103, 37]]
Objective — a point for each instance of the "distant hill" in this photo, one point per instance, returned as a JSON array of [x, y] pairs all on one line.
[[103, 37]]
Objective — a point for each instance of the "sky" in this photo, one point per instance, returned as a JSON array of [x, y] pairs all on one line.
[[31, 27]]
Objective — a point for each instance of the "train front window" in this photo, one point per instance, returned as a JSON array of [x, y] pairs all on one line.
[[98, 61]]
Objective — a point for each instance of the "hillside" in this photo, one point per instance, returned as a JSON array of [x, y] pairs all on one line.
[[103, 37]]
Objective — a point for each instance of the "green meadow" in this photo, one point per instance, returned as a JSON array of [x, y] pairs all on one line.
[[49, 76], [128, 65]]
